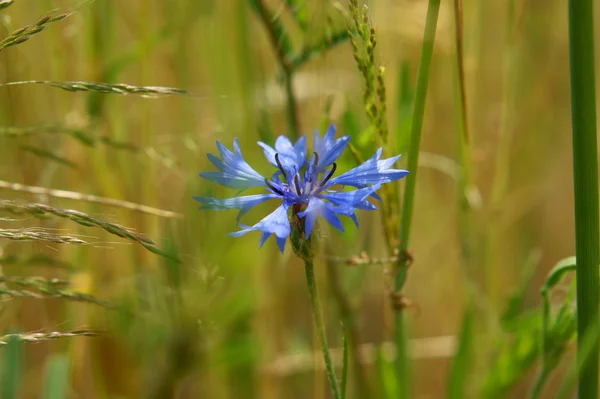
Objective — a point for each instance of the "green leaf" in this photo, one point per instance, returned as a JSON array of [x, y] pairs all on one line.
[[558, 271], [461, 362], [387, 376], [57, 377], [11, 368], [515, 301], [283, 40], [42, 153], [404, 106], [299, 11], [5, 4]]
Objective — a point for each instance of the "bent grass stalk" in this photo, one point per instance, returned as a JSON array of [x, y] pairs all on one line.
[[411, 181], [41, 210], [585, 177], [132, 206]]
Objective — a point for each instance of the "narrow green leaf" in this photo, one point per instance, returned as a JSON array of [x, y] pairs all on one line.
[[5, 4], [387, 378], [558, 271], [42, 153], [515, 301], [11, 368], [457, 381], [344, 381], [404, 105], [299, 11], [57, 377], [283, 41]]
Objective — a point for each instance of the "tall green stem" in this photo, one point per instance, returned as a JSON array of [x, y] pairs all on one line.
[[539, 383], [411, 182], [316, 310], [585, 174]]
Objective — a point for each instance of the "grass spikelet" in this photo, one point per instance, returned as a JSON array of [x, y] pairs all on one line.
[[39, 290], [37, 235], [41, 210], [106, 88], [25, 33], [40, 337]]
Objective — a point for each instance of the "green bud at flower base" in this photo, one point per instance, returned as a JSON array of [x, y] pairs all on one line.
[[305, 248]]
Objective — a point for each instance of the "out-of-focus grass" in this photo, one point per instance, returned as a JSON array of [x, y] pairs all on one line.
[[214, 322]]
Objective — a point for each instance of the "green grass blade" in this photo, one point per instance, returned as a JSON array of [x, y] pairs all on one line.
[[585, 174], [411, 182], [11, 368], [457, 381], [57, 377], [344, 379]]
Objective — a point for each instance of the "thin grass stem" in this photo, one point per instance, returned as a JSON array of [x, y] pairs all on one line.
[[411, 181], [344, 365]]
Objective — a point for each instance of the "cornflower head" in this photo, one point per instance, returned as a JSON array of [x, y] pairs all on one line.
[[307, 187]]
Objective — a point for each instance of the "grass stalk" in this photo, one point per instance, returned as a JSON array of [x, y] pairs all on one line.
[[411, 182], [351, 334], [539, 383], [585, 176], [318, 317], [287, 70], [88, 198], [344, 382]]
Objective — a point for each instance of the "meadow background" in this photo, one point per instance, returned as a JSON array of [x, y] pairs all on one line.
[[217, 317]]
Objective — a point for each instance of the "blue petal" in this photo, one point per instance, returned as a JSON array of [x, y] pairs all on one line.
[[372, 171], [315, 208], [244, 203], [327, 149], [275, 223], [263, 238], [290, 156], [300, 149], [354, 198], [354, 219], [280, 243], [234, 172]]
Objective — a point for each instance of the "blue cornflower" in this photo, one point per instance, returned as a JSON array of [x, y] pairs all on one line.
[[304, 185]]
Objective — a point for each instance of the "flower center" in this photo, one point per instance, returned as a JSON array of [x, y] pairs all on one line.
[[293, 183]]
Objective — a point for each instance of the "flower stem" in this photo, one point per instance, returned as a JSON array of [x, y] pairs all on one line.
[[317, 315], [585, 174]]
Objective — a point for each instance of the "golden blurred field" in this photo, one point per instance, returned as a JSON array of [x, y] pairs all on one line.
[[231, 319]]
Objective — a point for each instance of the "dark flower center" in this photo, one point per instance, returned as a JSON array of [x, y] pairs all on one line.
[[310, 185]]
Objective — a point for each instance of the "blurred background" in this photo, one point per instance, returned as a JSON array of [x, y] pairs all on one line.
[[232, 320]]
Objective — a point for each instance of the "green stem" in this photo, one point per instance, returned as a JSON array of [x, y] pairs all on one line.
[[344, 366], [316, 310], [286, 67], [539, 383], [585, 173], [351, 335], [411, 181]]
